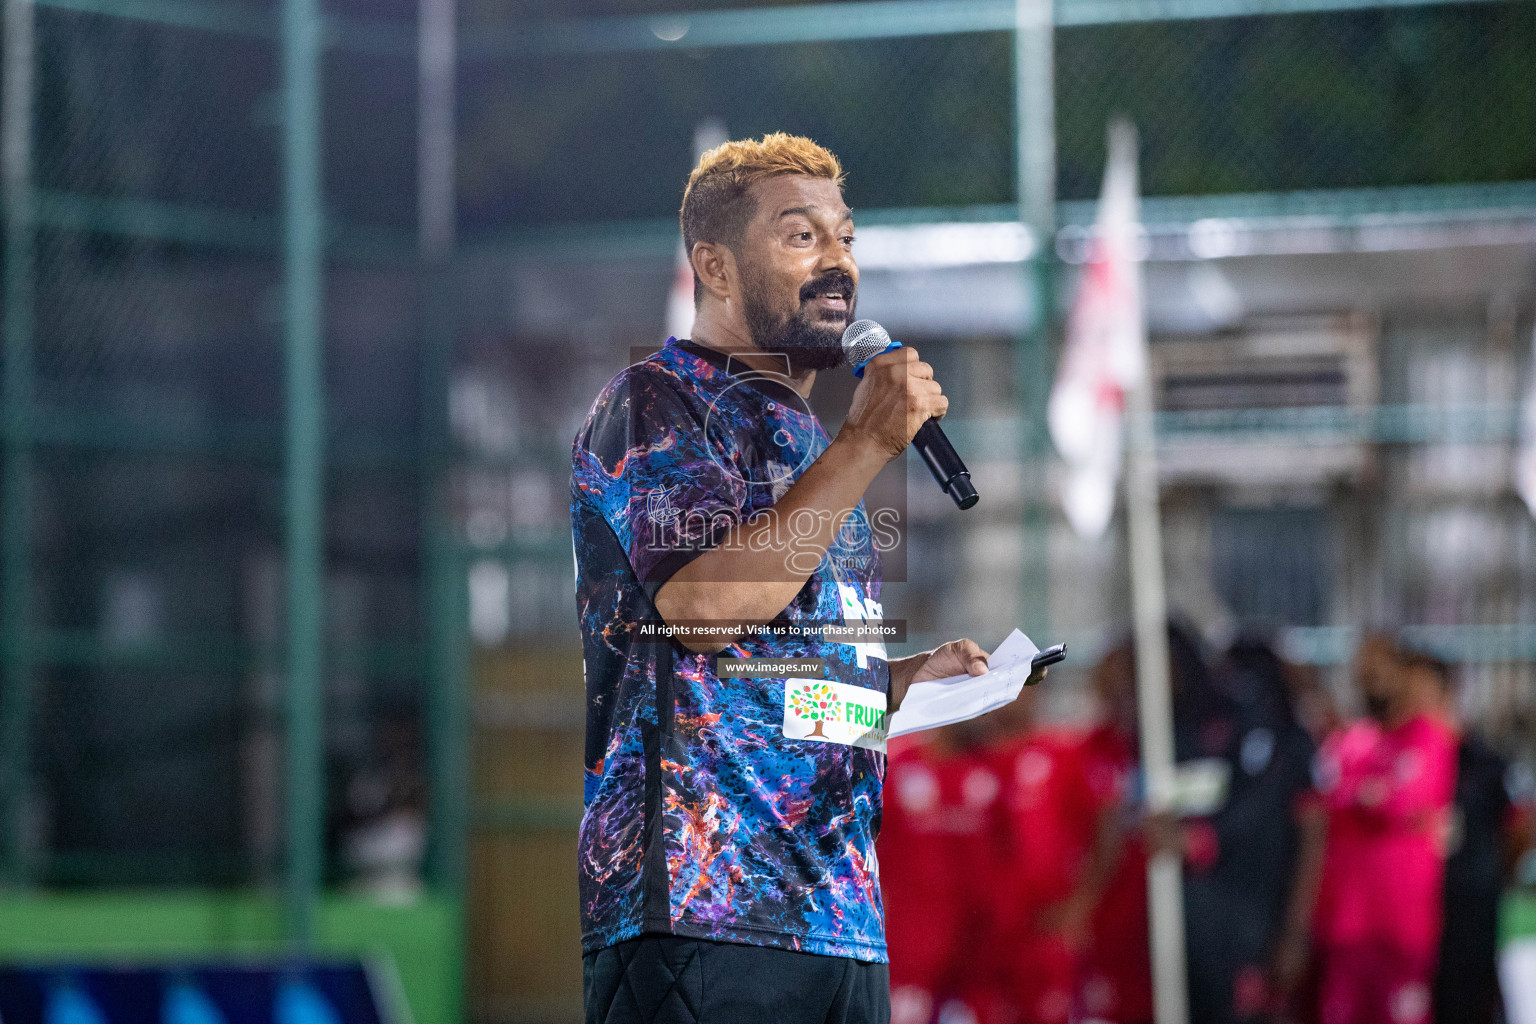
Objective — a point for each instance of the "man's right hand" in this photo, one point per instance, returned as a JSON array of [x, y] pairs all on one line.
[[896, 397]]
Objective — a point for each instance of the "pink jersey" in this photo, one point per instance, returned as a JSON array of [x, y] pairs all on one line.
[[1388, 793]]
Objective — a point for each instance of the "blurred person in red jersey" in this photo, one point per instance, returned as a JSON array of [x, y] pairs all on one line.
[[937, 858], [1047, 882], [1115, 980], [1483, 842], [1387, 782]]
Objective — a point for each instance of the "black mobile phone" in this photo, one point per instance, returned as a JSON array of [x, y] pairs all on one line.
[[1049, 656]]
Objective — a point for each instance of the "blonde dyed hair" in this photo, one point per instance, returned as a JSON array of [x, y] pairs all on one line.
[[716, 203]]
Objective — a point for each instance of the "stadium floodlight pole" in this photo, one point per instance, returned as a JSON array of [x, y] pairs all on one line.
[[443, 578], [16, 512], [1165, 895], [304, 476], [1034, 71]]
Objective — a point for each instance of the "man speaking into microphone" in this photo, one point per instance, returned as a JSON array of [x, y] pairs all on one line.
[[727, 852]]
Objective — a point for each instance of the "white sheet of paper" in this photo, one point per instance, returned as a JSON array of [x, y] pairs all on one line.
[[937, 702]]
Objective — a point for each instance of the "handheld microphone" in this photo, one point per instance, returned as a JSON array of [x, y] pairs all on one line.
[[863, 341]]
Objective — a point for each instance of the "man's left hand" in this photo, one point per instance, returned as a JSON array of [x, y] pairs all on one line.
[[958, 657]]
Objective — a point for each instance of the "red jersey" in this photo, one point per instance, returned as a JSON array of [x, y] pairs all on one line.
[[1049, 812], [1047, 820], [1117, 982], [935, 851], [1388, 793]]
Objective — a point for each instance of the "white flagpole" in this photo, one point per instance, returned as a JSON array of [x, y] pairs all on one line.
[[1165, 895], [1525, 450], [706, 136]]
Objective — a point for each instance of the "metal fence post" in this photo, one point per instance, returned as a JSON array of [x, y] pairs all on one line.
[[443, 578], [16, 513], [305, 465], [1034, 67]]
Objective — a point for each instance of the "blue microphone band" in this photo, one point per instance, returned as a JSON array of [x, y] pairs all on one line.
[[858, 370]]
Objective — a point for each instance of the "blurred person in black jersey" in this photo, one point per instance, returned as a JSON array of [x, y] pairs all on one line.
[[1249, 865], [1478, 858], [1275, 859]]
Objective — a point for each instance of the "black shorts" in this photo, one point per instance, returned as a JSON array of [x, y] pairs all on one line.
[[665, 979]]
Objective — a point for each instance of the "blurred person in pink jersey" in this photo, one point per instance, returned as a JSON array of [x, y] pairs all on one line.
[[937, 858], [1387, 782]]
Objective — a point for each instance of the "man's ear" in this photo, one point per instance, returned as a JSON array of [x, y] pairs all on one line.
[[715, 266]]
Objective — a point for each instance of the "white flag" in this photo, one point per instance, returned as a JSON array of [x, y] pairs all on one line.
[[1105, 348], [1525, 455], [680, 310]]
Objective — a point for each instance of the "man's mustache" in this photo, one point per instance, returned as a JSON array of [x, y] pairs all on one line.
[[832, 281]]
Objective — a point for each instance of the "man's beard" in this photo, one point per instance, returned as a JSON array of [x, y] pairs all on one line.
[[806, 343]]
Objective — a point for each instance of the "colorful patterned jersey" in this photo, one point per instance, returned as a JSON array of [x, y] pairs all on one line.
[[702, 818]]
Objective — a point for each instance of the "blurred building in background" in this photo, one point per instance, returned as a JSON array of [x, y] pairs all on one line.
[[1341, 235]]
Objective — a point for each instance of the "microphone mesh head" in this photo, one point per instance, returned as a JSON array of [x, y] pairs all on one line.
[[863, 340]]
